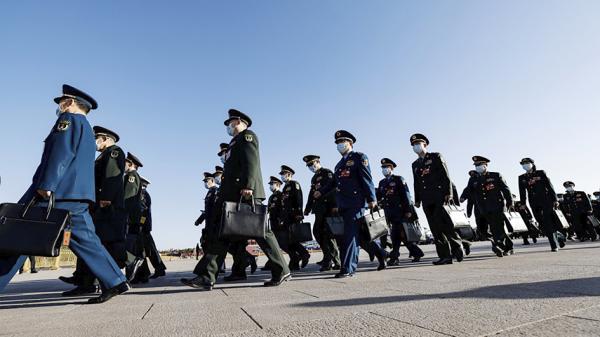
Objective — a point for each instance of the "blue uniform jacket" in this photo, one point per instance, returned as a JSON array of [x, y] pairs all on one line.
[[67, 165], [353, 181], [394, 196]]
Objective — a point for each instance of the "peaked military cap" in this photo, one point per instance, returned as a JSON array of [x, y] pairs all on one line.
[[275, 180], [236, 114], [285, 168], [208, 175], [144, 180], [388, 162], [344, 135], [218, 169], [224, 147], [472, 173], [568, 183], [480, 160], [527, 161], [101, 131], [596, 194], [134, 159], [417, 137], [72, 92], [309, 159]]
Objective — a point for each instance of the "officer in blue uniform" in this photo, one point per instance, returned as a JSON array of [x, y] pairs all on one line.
[[66, 172], [394, 196], [354, 192], [208, 215]]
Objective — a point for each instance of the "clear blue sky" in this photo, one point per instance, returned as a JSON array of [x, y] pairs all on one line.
[[503, 79]]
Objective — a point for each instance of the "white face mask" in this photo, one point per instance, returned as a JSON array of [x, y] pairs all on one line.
[[418, 148], [207, 185], [342, 147], [527, 167], [285, 178], [314, 167], [223, 159], [273, 188], [218, 180], [570, 189], [481, 168], [386, 171], [98, 144]]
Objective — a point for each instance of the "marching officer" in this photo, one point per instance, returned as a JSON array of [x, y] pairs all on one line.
[[241, 178], [150, 249], [433, 189], [209, 207], [66, 173], [322, 206], [133, 208], [532, 231], [579, 207], [394, 196], [491, 195], [542, 200], [354, 192], [274, 209], [482, 226], [291, 213], [596, 208], [108, 211]]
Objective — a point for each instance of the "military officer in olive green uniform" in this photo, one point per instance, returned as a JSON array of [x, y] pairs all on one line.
[[108, 212], [242, 178], [322, 206], [492, 197], [579, 207], [291, 213], [133, 207]]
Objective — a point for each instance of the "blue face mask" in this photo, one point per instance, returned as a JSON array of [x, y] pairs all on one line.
[[386, 171], [230, 130], [480, 168], [342, 147]]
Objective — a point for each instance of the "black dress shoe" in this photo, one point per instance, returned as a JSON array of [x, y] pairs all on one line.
[[442, 261], [416, 259], [467, 250], [459, 255], [393, 262], [320, 262], [561, 243], [526, 243], [508, 252], [305, 261], [80, 291], [198, 283], [158, 273], [325, 268], [344, 275], [139, 281], [336, 267], [33, 271], [497, 251], [234, 278], [65, 279], [275, 283], [381, 266], [110, 293]]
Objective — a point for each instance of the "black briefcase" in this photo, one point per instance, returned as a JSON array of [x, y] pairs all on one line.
[[374, 225], [243, 220], [35, 231], [300, 232], [335, 225]]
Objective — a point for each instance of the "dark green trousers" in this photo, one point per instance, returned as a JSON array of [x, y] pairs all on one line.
[[326, 241], [208, 266]]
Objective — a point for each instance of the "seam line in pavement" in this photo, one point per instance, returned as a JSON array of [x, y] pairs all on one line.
[[412, 324], [583, 318], [147, 311], [224, 292], [307, 294], [252, 318], [564, 314]]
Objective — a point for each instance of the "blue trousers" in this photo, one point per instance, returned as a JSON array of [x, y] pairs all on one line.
[[351, 241], [84, 243]]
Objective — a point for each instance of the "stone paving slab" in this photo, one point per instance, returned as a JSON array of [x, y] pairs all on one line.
[[533, 293]]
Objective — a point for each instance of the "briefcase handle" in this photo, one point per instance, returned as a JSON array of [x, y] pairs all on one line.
[[35, 199], [253, 205]]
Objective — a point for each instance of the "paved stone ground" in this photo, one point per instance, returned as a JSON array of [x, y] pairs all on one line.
[[533, 293]]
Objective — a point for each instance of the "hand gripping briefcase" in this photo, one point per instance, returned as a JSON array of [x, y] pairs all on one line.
[[374, 225], [516, 222], [457, 216], [560, 219], [243, 220], [35, 231]]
